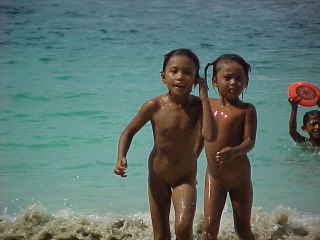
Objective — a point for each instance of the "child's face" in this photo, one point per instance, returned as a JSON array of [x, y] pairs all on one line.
[[179, 75], [312, 127], [230, 79]]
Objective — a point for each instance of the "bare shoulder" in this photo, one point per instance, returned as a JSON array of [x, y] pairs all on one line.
[[248, 107], [149, 107], [250, 112], [151, 104]]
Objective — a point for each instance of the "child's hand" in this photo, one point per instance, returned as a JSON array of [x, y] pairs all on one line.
[[203, 88], [121, 167], [294, 101], [224, 154]]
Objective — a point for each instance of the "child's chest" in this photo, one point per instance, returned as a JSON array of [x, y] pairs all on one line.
[[228, 116], [170, 119]]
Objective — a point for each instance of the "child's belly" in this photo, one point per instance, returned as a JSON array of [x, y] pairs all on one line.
[[173, 168], [232, 172]]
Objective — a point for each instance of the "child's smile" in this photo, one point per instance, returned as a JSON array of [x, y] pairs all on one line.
[[313, 128], [179, 86]]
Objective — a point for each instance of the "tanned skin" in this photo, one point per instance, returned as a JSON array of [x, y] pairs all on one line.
[[228, 170], [178, 128]]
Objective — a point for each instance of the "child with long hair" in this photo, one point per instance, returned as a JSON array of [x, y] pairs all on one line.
[[228, 170]]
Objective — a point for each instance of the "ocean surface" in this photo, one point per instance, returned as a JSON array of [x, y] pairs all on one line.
[[73, 74]]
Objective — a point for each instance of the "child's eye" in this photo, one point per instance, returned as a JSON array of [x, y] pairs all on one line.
[[173, 70], [187, 72]]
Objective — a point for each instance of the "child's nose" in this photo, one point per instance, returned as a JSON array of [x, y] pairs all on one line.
[[179, 75]]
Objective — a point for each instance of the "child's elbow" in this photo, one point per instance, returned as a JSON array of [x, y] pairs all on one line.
[[292, 133], [251, 143], [209, 137], [127, 134]]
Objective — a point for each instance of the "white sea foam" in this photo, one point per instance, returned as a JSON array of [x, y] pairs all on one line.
[[36, 223]]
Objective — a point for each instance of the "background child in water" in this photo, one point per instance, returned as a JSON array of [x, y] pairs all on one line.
[[176, 119], [228, 169], [311, 125]]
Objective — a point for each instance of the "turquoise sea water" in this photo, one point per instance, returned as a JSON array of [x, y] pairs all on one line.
[[73, 74]]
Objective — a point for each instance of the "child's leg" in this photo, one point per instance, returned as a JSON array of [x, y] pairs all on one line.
[[184, 202], [241, 199], [159, 201], [214, 200]]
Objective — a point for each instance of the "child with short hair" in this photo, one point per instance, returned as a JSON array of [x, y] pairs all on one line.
[[228, 170], [311, 125], [178, 130]]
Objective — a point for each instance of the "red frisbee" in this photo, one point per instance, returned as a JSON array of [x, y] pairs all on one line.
[[308, 93]]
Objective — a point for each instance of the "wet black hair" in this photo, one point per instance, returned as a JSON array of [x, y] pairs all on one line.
[[228, 57], [310, 114], [182, 52]]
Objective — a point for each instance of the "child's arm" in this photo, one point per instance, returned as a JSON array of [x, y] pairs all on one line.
[[250, 130], [249, 138], [293, 122], [208, 131], [143, 116], [198, 146]]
